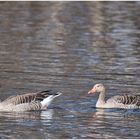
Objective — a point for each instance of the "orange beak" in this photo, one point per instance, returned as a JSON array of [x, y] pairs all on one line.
[[93, 90]]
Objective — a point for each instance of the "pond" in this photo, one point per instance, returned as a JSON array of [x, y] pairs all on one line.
[[69, 47]]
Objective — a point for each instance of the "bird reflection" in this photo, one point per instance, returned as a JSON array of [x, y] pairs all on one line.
[[46, 114]]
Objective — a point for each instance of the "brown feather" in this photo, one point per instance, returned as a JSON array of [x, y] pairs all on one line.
[[27, 98], [130, 99]]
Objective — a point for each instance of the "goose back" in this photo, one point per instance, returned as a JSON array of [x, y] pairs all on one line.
[[129, 100], [125, 101], [26, 98], [29, 101]]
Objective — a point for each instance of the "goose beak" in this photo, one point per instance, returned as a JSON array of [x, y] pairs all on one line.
[[58, 94], [93, 90]]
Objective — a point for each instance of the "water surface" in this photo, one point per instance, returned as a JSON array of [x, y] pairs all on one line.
[[69, 47]]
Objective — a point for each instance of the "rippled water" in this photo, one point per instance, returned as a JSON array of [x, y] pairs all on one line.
[[70, 46]]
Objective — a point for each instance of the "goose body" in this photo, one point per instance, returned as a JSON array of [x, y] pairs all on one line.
[[29, 101], [118, 101]]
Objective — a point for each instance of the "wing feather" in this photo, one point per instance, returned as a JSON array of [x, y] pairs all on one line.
[[128, 99], [28, 97]]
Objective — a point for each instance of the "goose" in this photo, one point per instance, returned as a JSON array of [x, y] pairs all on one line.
[[118, 101], [29, 101]]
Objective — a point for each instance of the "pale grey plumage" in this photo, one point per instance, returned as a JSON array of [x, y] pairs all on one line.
[[29, 101], [119, 101]]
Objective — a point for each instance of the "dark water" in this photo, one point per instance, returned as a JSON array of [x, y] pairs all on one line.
[[69, 47]]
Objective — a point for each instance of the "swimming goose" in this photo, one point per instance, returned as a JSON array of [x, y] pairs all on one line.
[[118, 101], [29, 101]]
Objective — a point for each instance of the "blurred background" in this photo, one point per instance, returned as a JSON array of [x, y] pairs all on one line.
[[69, 47]]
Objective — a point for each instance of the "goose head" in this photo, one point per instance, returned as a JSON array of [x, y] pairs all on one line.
[[98, 88]]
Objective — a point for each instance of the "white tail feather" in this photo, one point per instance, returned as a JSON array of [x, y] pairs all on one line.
[[46, 102]]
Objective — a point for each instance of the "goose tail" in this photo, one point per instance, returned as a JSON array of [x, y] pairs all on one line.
[[47, 101]]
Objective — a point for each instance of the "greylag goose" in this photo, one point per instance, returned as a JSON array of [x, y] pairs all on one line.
[[118, 101], [29, 101]]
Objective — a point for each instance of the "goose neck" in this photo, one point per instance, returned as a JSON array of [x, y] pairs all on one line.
[[101, 99]]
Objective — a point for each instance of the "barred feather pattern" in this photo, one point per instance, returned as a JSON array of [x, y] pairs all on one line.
[[119, 101], [129, 100], [27, 98], [27, 102]]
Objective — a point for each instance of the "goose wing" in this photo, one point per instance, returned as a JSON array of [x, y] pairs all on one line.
[[28, 97], [128, 99]]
